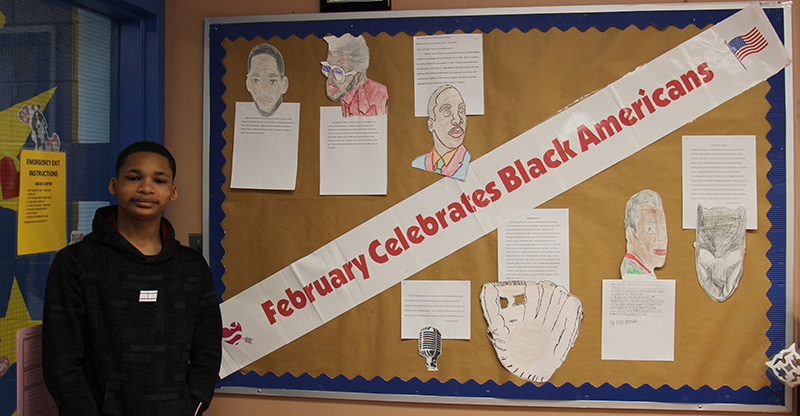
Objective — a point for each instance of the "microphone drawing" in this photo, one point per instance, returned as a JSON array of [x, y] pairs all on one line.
[[430, 346]]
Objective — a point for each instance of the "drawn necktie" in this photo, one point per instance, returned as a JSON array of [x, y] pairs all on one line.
[[439, 165]]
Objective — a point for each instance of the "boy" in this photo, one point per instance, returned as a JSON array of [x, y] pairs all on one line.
[[131, 320]]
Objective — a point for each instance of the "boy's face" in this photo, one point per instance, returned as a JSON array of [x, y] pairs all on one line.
[[143, 186]]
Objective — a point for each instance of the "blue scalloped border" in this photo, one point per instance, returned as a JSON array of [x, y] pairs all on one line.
[[769, 395]]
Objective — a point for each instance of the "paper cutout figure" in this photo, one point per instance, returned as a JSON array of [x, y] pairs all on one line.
[[266, 80], [430, 346], [531, 325], [785, 366], [347, 82], [447, 122], [32, 115], [719, 249], [646, 235]]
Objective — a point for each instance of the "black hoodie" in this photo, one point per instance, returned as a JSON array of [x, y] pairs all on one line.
[[129, 334]]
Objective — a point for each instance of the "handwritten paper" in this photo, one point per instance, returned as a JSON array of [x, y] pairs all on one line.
[[449, 59], [719, 171], [638, 320], [443, 304]]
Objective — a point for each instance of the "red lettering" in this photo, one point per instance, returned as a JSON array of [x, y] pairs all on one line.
[[373, 253], [522, 172], [536, 167], [348, 268], [647, 102], [413, 235], [494, 193], [337, 278], [548, 159], [586, 137], [325, 288], [392, 248], [309, 289], [508, 175], [608, 127], [401, 238], [658, 98], [564, 152], [625, 117], [456, 212], [284, 309], [427, 224], [267, 307], [706, 73], [637, 107], [442, 220], [675, 90], [297, 297], [467, 204], [479, 198], [361, 263], [690, 80]]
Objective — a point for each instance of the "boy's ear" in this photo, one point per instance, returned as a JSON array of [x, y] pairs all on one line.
[[112, 186], [174, 194]]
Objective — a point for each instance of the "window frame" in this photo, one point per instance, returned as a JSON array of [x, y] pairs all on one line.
[[140, 101]]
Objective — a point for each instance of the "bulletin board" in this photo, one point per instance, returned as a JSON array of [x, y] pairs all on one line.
[[537, 61]]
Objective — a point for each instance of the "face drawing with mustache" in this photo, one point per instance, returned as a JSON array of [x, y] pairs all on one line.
[[448, 123]]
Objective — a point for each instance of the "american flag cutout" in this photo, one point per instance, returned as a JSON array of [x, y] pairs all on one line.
[[747, 44]]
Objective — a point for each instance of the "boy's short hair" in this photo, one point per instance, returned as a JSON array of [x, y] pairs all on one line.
[[144, 146]]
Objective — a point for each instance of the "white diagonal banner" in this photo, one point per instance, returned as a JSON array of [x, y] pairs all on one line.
[[572, 146]]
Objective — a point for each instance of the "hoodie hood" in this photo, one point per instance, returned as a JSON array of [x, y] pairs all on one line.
[[104, 231]]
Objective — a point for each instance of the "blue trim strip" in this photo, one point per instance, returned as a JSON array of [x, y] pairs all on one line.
[[770, 395], [217, 160]]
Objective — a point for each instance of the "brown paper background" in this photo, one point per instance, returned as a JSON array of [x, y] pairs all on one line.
[[528, 78]]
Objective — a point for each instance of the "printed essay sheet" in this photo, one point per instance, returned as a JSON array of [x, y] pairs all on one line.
[[719, 171], [535, 247], [456, 60], [265, 148], [352, 154], [441, 304]]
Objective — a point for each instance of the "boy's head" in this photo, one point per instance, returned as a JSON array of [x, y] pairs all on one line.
[[144, 181], [150, 147]]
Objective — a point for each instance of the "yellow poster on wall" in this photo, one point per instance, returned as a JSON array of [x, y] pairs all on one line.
[[41, 221]]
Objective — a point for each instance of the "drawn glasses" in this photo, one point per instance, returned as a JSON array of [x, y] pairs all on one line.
[[338, 72]]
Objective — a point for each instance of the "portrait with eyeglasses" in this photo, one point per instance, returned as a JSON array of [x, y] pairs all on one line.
[[345, 71]]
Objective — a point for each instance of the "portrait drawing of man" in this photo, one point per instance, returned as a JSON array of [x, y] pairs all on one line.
[[447, 122]]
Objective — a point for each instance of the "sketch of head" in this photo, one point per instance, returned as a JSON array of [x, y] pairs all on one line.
[[346, 65], [531, 325], [266, 81], [719, 250], [447, 119], [39, 130], [646, 229]]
